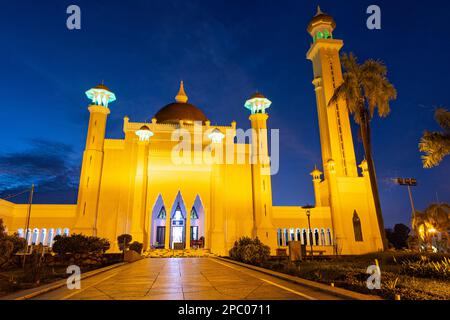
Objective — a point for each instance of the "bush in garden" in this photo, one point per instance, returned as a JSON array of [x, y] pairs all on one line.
[[124, 241], [9, 245], [136, 246], [251, 251], [425, 268], [78, 243]]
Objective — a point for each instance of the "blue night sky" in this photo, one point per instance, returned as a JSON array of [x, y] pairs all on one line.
[[224, 51]]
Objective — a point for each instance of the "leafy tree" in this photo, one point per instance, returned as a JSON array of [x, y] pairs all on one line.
[[2, 229], [399, 236], [436, 145], [136, 246], [9, 245], [251, 251], [436, 216], [366, 88], [124, 241]]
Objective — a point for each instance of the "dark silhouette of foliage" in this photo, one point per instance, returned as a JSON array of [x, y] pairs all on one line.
[[136, 246], [9, 245], [436, 145], [399, 236], [124, 241], [78, 243]]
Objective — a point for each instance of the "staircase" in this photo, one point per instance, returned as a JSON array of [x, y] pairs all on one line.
[[185, 253]]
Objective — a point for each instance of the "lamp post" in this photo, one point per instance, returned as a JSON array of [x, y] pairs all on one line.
[[308, 215], [409, 182], [27, 226]]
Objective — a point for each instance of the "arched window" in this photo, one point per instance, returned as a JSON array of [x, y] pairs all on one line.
[[357, 227], [43, 237], [310, 237], [292, 232], [280, 238], [322, 237], [299, 235], [162, 214], [35, 238], [29, 236], [286, 237], [316, 237], [51, 235], [20, 233], [305, 237], [194, 214], [66, 232], [330, 239], [178, 215], [58, 232]]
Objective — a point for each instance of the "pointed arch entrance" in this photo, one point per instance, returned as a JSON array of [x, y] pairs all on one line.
[[158, 224], [178, 218]]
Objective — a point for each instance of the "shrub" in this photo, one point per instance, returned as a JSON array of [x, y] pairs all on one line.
[[78, 243], [136, 246], [251, 251], [9, 245], [425, 268], [124, 241]]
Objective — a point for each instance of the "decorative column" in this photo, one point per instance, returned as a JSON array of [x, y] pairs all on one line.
[[168, 227], [140, 184], [217, 201]]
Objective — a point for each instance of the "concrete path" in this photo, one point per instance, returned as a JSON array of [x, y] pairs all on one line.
[[186, 279]]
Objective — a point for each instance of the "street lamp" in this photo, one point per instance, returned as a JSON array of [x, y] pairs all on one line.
[[409, 182], [308, 215]]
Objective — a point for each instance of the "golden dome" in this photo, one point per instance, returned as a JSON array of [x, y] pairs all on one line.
[[180, 110], [174, 112]]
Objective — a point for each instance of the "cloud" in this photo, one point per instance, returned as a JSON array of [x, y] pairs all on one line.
[[50, 165]]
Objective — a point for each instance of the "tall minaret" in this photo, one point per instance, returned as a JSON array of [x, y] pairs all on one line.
[[91, 170], [261, 178], [334, 125]]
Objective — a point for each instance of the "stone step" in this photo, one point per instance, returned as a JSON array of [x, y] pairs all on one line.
[[169, 253]]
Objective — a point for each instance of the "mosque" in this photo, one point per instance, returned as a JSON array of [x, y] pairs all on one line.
[[167, 196]]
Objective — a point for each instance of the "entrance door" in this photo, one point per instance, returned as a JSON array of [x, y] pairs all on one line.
[[194, 233], [177, 235], [160, 236]]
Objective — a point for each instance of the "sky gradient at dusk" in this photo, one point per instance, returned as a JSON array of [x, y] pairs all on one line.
[[224, 51]]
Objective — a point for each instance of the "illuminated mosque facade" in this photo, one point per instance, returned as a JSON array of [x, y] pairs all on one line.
[[134, 186]]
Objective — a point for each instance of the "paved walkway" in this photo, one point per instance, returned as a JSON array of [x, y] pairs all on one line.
[[185, 279]]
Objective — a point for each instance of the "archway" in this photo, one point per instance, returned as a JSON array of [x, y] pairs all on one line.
[[158, 224], [178, 223]]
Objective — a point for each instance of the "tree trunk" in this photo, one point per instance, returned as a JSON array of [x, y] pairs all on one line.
[[365, 135]]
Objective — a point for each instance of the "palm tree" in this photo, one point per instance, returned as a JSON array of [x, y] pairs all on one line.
[[365, 87], [436, 145]]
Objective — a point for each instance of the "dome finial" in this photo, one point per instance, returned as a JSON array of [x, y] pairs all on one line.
[[181, 97], [318, 11]]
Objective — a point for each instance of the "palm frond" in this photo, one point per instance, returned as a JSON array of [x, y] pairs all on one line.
[[442, 117], [436, 146], [365, 86]]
